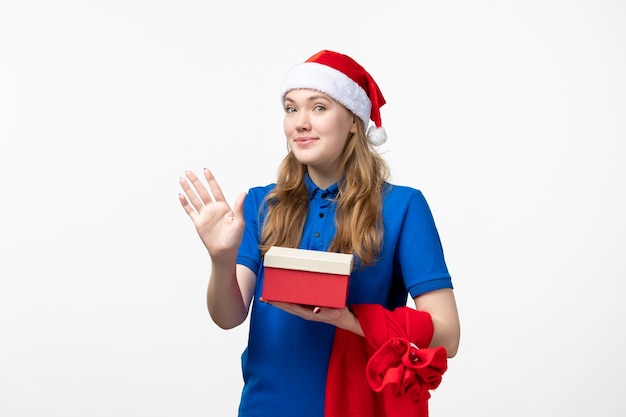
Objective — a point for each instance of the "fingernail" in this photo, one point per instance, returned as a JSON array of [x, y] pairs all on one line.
[[316, 310]]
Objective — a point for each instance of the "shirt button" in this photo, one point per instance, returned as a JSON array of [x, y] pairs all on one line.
[[317, 234], [324, 196], [321, 215]]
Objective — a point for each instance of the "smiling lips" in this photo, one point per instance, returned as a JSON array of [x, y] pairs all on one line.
[[305, 140]]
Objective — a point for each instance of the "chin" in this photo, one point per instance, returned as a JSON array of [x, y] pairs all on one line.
[[304, 160]]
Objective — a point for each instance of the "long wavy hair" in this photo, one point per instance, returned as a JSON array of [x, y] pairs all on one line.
[[358, 218]]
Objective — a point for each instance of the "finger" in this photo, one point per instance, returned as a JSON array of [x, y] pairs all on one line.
[[185, 203], [192, 197], [238, 206], [204, 195], [216, 190]]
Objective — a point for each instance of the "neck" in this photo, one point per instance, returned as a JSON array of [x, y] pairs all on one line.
[[322, 180]]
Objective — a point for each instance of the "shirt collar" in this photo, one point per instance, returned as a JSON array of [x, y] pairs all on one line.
[[314, 190]]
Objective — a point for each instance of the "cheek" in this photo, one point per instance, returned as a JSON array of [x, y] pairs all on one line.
[[287, 126]]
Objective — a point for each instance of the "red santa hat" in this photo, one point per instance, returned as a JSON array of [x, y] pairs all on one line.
[[347, 82]]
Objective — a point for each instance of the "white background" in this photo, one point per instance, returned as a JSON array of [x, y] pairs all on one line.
[[509, 116]]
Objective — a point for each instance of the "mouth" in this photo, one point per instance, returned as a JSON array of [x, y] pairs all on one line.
[[305, 140]]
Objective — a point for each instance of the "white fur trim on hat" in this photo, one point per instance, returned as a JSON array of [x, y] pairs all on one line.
[[334, 83]]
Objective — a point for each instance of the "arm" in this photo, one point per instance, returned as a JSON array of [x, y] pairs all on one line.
[[220, 228], [229, 293], [441, 305]]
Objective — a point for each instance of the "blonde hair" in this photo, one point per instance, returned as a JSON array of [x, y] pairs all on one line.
[[358, 218]]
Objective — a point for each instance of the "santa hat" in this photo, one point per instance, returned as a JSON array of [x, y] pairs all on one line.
[[347, 82]]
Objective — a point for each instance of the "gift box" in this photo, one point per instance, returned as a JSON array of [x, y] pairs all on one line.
[[307, 277]]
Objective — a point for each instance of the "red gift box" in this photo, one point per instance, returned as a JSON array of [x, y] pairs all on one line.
[[308, 277]]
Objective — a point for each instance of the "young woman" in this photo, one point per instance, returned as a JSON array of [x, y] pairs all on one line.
[[332, 194]]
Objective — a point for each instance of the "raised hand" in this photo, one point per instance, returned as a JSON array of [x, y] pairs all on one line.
[[220, 228]]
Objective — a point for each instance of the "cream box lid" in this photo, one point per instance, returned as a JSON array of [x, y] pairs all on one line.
[[308, 260]]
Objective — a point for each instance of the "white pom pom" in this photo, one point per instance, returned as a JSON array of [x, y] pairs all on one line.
[[377, 135]]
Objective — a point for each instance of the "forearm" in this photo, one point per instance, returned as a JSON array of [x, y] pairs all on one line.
[[225, 302], [446, 334], [441, 306]]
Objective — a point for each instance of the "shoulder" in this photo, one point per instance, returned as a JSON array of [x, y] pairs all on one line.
[[262, 189], [403, 203], [255, 199], [258, 193], [402, 195]]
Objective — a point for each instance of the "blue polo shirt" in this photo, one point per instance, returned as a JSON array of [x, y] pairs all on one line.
[[286, 360]]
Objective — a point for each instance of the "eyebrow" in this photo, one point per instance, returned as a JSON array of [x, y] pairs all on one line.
[[312, 98]]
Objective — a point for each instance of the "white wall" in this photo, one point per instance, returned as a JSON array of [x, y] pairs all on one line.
[[509, 116]]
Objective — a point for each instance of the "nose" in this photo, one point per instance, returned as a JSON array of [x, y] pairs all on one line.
[[303, 123]]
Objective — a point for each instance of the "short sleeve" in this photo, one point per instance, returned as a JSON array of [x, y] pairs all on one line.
[[420, 257], [249, 254]]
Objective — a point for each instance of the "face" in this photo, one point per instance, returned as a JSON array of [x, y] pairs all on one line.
[[317, 129]]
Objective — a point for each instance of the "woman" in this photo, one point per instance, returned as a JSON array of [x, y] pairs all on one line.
[[331, 194]]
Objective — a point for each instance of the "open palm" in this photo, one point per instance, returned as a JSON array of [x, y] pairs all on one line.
[[220, 228]]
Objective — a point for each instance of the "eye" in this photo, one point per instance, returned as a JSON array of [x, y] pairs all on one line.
[[290, 109], [319, 107]]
